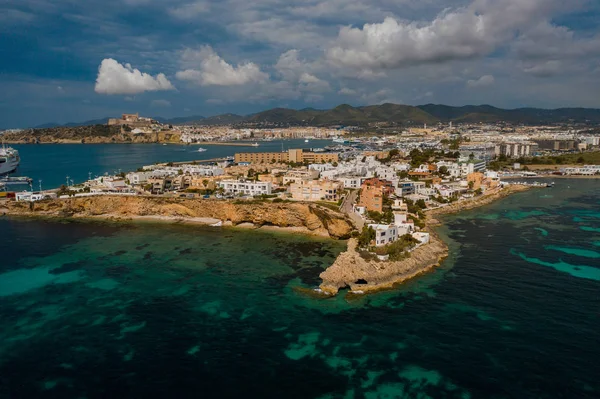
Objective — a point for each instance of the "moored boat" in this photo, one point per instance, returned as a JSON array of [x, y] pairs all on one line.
[[9, 160]]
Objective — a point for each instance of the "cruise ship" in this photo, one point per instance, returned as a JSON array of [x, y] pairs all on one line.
[[9, 160]]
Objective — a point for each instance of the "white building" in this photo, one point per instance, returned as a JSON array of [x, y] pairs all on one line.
[[321, 167], [454, 169], [384, 234], [237, 187], [401, 167], [383, 172], [138, 177], [203, 170], [423, 238], [33, 196], [402, 223], [587, 170], [351, 181]]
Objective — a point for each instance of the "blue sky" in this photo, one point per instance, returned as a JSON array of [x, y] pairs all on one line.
[[72, 60]]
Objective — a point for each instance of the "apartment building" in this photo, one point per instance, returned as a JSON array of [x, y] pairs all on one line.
[[516, 150], [238, 187], [293, 155], [297, 176], [316, 190]]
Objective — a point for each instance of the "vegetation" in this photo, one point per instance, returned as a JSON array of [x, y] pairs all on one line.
[[366, 236], [386, 217], [397, 249], [590, 158], [329, 205]]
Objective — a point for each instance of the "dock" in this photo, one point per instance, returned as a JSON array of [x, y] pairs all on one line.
[[14, 181]]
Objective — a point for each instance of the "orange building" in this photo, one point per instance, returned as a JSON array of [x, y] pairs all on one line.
[[371, 197], [372, 192], [386, 185], [476, 178]]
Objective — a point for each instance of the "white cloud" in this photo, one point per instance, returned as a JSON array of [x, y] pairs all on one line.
[[160, 103], [214, 71], [347, 92], [472, 31], [190, 10], [289, 65], [115, 78], [312, 84], [545, 69], [486, 80]]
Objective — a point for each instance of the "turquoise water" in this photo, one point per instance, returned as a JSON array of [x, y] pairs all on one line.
[[52, 163], [102, 310]]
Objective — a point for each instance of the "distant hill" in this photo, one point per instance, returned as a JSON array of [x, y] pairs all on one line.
[[102, 121], [488, 113], [225, 119], [391, 113]]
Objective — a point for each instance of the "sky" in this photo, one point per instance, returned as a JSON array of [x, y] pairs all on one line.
[[73, 60]]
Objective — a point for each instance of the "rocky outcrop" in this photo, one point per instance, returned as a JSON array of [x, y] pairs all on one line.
[[304, 216], [350, 269], [476, 202]]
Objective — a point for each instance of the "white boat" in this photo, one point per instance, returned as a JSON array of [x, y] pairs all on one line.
[[201, 149], [254, 144], [9, 160], [306, 141]]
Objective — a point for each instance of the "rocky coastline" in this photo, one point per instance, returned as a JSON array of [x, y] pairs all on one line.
[[363, 276], [293, 216]]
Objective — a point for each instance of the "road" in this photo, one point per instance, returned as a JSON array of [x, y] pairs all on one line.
[[347, 206]]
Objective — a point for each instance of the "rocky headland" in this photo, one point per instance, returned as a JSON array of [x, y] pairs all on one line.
[[352, 270], [300, 217], [93, 134]]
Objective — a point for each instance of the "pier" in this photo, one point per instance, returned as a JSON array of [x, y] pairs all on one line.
[[226, 144]]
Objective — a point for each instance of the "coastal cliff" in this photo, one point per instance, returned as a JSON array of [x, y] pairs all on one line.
[[94, 134], [350, 269], [304, 217]]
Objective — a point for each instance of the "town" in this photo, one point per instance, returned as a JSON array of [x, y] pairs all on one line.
[[383, 183]]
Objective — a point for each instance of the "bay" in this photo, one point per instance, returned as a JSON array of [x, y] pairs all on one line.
[[52, 163]]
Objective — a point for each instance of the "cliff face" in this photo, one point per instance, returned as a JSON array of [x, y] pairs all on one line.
[[312, 217]]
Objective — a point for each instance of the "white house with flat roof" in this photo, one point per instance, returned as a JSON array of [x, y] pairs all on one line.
[[384, 234], [237, 187]]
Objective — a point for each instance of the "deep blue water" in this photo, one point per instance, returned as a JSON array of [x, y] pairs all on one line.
[[101, 310], [52, 163]]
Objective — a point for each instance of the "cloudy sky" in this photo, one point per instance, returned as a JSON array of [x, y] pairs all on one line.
[[74, 60]]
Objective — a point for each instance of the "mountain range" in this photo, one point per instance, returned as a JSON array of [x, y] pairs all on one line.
[[391, 113]]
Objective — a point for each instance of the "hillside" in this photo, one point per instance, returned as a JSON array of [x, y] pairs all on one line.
[[386, 113], [488, 113]]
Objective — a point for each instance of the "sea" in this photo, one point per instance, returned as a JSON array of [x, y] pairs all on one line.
[[55, 164], [143, 310]]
